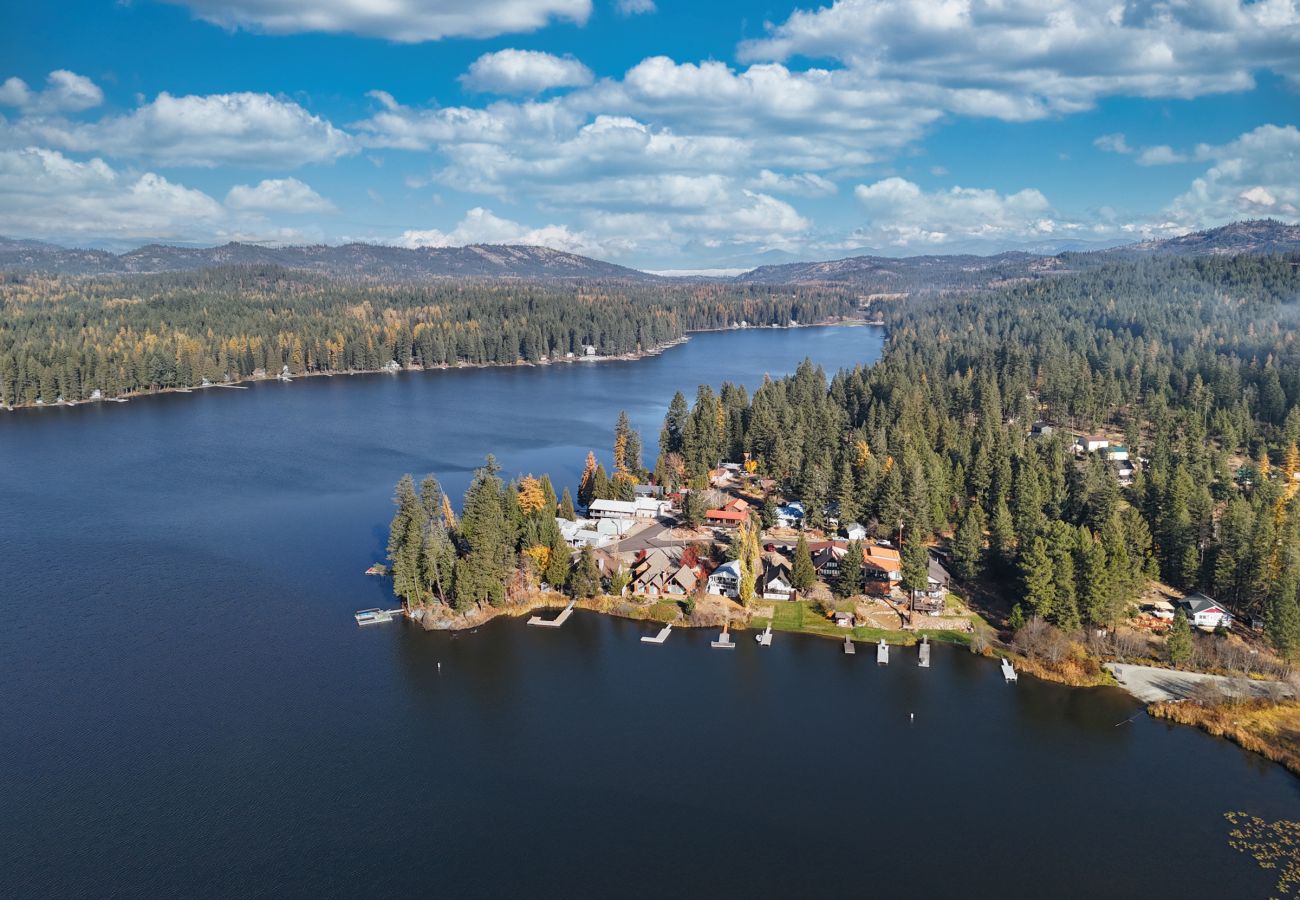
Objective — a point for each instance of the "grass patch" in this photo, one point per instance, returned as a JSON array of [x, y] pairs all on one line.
[[802, 617]]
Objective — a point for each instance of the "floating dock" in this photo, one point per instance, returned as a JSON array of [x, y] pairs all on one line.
[[374, 616], [848, 646], [660, 637], [765, 639], [557, 621], [724, 641], [882, 653], [1008, 670], [924, 659]]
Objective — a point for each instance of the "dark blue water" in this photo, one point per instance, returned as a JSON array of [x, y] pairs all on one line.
[[188, 707]]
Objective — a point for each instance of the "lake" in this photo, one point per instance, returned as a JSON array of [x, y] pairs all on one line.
[[189, 708]]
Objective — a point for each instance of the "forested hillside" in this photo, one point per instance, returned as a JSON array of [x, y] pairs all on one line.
[[1193, 363], [65, 337]]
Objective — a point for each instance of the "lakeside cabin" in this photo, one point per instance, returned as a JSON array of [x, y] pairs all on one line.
[[1204, 612], [640, 508], [725, 580]]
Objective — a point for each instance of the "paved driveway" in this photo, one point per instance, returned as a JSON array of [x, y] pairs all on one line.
[[1152, 685]]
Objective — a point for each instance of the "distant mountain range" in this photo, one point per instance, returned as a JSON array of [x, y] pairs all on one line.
[[878, 274], [361, 260]]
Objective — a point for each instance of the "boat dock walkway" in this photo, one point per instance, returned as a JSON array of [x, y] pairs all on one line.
[[924, 659], [882, 653], [1008, 670], [557, 621], [724, 640], [849, 648], [765, 639], [374, 616], [660, 637]]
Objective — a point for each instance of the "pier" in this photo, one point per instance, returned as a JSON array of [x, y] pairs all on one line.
[[374, 616], [660, 637], [1008, 670], [849, 649], [557, 621], [765, 639], [724, 641], [924, 659], [882, 653]]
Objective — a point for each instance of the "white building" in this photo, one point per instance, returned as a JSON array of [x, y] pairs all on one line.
[[1204, 612], [725, 580]]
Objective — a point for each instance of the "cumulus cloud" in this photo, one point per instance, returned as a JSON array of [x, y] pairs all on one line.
[[901, 213], [242, 129], [1160, 155], [635, 7], [1027, 59], [42, 192], [1255, 176], [285, 195], [524, 72], [481, 226], [404, 21], [1113, 143], [64, 92]]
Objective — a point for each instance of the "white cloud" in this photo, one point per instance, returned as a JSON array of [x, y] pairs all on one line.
[[1113, 143], [64, 92], [404, 21], [1160, 155], [524, 72], [1255, 176], [42, 192], [285, 195], [635, 7], [800, 184], [1024, 59], [242, 129], [902, 214], [480, 226]]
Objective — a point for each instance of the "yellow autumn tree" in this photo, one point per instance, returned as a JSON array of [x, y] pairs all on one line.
[[531, 497]]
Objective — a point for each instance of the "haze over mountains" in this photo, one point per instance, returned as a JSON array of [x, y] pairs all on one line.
[[878, 273]]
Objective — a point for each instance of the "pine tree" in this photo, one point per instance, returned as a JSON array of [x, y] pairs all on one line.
[[1178, 644], [481, 573], [968, 544], [849, 581], [1037, 575], [916, 561], [584, 579], [566, 507], [802, 573]]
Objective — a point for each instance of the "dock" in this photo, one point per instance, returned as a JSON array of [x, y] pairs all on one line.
[[765, 639], [724, 640], [660, 637], [374, 616], [849, 649], [1008, 670], [557, 621], [882, 653], [924, 659]]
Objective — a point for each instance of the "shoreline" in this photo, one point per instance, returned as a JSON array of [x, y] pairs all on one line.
[[243, 383]]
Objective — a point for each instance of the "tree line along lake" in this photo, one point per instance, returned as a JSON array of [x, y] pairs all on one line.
[[190, 709]]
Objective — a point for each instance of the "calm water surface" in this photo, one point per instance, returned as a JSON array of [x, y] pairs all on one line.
[[188, 708]]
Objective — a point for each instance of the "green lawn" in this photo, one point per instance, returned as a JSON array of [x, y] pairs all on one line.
[[800, 616]]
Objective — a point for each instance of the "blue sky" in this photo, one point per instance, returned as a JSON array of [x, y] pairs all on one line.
[[666, 135]]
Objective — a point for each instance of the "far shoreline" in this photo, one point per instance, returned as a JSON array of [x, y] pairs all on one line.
[[244, 383]]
